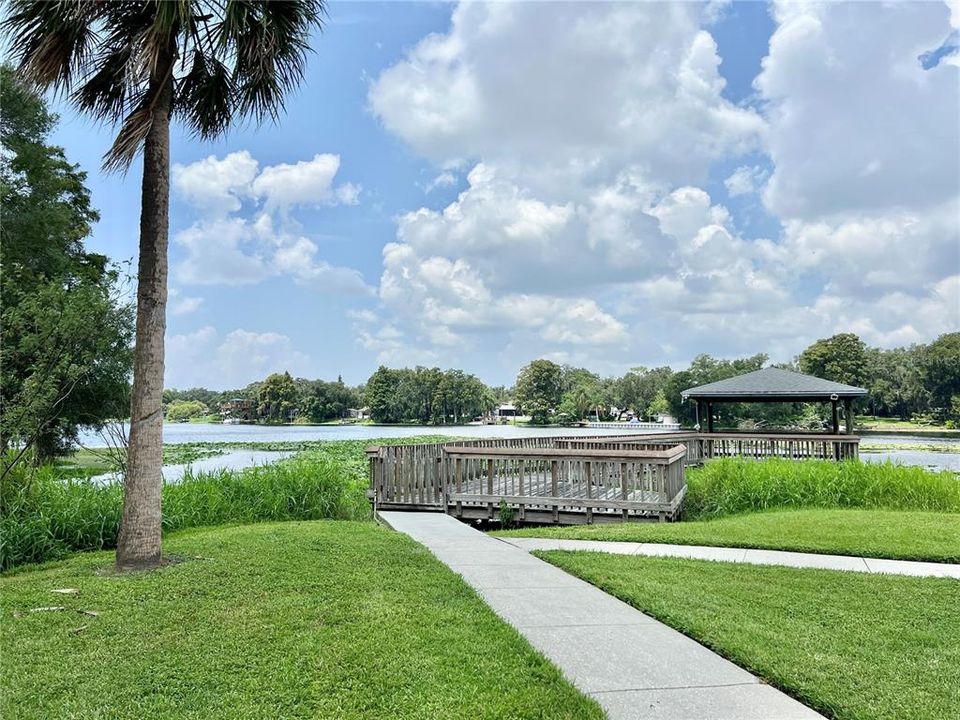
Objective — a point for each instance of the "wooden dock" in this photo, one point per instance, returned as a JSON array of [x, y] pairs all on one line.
[[569, 480]]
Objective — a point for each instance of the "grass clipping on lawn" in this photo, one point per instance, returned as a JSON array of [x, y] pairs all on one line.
[[330, 619], [851, 645]]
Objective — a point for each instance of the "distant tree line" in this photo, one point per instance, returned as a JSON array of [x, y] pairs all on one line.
[[921, 382], [426, 395], [277, 398]]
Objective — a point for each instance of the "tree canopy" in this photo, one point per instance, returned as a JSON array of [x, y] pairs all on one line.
[[841, 358], [65, 356], [540, 389]]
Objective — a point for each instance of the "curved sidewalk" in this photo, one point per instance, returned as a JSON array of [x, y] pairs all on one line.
[[635, 667], [848, 563]]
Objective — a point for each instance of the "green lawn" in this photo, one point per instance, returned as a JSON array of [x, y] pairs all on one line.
[[853, 646], [328, 619], [873, 533]]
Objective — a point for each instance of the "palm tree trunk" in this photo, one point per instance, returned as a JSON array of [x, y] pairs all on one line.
[[138, 546]]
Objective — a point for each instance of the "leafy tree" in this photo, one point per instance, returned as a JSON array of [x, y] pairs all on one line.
[[276, 399], [939, 368], [658, 406], [203, 62], [583, 391], [426, 395], [894, 383], [380, 393], [210, 398], [321, 401], [841, 358], [65, 352], [180, 410], [705, 369], [637, 388], [539, 389]]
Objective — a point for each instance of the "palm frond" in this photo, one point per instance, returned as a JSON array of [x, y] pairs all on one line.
[[270, 42], [51, 41], [106, 93], [134, 130], [204, 97], [215, 61]]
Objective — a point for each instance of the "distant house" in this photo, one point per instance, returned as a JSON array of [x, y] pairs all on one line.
[[358, 413], [506, 411], [238, 409]]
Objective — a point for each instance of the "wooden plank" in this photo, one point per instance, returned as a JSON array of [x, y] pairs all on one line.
[[595, 503]]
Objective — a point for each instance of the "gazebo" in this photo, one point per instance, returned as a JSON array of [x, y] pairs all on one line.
[[775, 385]]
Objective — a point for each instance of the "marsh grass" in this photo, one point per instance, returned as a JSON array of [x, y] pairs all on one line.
[[736, 485], [45, 516]]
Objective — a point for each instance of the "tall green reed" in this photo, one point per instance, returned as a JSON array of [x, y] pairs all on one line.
[[738, 485], [44, 516]]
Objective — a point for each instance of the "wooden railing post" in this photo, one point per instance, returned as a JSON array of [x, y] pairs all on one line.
[[554, 488]]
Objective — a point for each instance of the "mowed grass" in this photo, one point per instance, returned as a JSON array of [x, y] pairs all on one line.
[[329, 619], [933, 537], [851, 645]]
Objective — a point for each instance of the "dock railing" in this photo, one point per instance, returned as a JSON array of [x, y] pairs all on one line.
[[424, 477], [703, 446], [410, 476], [541, 484]]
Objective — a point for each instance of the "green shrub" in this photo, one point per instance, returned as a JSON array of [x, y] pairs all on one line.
[[738, 485]]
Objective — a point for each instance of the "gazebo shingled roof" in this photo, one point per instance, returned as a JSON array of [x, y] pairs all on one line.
[[775, 385], [772, 385]]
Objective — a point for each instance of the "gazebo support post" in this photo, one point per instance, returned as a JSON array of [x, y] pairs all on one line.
[[848, 413], [710, 417], [836, 417]]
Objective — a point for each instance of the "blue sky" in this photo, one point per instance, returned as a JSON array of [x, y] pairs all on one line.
[[606, 185]]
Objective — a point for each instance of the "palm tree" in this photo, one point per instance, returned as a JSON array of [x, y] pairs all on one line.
[[205, 63]]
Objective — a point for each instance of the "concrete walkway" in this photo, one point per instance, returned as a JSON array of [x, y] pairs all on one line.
[[848, 563], [633, 665]]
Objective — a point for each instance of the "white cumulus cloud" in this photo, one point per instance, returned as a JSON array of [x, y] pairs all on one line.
[[206, 358], [226, 246]]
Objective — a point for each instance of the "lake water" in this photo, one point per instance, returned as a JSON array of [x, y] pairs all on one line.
[[229, 460], [179, 433]]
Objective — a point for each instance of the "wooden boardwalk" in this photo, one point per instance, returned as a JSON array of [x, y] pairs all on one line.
[[568, 480]]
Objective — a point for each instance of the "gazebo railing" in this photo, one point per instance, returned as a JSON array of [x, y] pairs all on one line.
[[794, 447]]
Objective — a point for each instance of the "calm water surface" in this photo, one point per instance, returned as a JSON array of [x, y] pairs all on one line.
[[179, 433]]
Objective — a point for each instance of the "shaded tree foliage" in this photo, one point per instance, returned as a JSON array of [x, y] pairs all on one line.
[[320, 401], [841, 358], [540, 389], [65, 355], [939, 369], [277, 398], [426, 395]]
